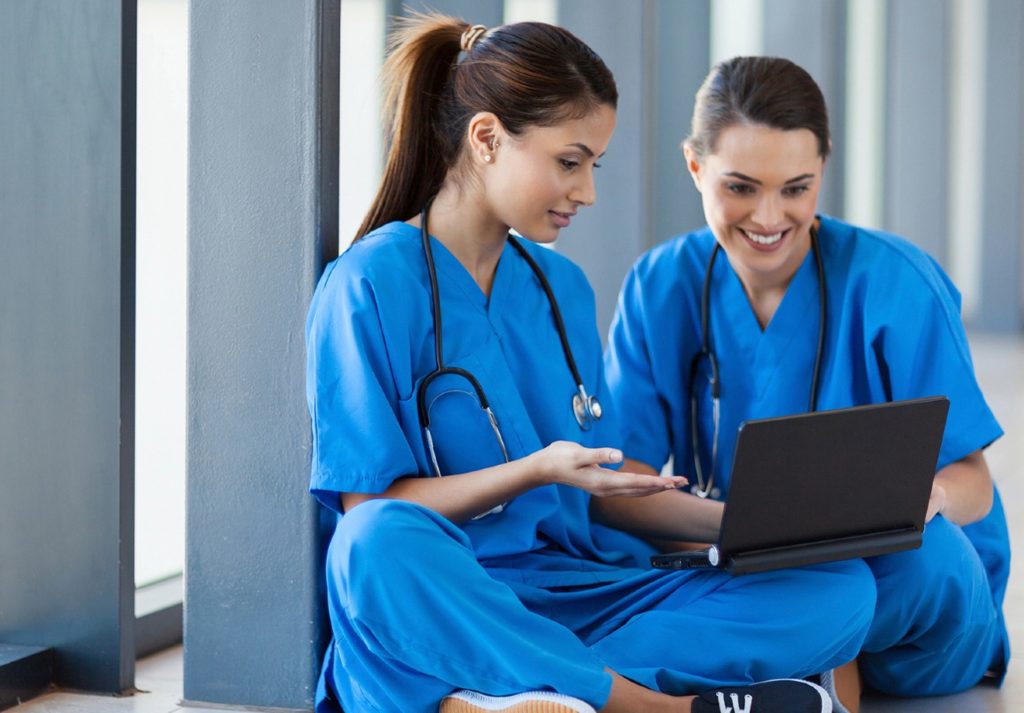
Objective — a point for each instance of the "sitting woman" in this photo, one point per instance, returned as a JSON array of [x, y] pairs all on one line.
[[455, 384], [787, 311]]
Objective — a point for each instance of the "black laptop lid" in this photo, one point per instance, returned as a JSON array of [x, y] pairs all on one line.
[[832, 474]]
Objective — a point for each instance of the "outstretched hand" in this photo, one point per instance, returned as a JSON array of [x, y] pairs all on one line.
[[572, 464]]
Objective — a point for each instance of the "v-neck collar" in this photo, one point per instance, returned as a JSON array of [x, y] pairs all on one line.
[[451, 272], [794, 318]]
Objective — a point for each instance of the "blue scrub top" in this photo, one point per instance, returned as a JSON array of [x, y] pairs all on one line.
[[370, 342], [894, 332]]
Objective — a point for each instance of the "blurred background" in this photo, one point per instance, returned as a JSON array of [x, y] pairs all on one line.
[[927, 115], [926, 111]]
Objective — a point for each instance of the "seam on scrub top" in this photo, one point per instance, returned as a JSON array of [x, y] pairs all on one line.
[[951, 326]]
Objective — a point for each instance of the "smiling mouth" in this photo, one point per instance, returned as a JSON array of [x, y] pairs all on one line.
[[761, 239], [562, 219]]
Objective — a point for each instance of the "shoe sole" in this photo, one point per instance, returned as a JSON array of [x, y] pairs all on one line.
[[458, 706], [534, 702]]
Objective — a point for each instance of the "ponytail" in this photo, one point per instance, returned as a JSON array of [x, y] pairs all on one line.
[[423, 50], [527, 74]]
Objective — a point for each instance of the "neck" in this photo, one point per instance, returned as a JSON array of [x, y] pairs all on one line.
[[766, 290], [460, 220]]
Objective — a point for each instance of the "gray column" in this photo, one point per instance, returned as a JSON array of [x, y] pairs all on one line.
[[1001, 304], [658, 51], [679, 43], [917, 124], [263, 148], [67, 301], [812, 34], [605, 238]]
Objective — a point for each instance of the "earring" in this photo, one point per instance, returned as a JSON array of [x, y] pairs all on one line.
[[487, 158]]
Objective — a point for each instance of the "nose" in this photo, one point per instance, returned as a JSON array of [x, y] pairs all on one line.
[[584, 192], [768, 211]]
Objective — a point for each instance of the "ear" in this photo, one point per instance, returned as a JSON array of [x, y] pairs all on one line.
[[693, 164], [483, 136]]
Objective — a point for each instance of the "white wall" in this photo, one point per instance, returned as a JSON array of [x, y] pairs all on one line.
[[160, 300], [361, 139]]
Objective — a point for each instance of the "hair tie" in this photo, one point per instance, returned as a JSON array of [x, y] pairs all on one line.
[[471, 36]]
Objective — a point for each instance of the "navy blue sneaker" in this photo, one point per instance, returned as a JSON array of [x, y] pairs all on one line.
[[784, 695]]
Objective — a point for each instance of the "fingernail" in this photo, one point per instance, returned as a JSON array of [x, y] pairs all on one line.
[[614, 456]]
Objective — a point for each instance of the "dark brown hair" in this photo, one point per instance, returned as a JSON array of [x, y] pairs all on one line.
[[527, 74], [769, 91]]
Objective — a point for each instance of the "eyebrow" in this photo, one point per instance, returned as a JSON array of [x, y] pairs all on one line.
[[584, 148], [744, 177]]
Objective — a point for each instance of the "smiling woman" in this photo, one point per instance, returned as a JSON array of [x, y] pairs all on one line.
[[760, 189], [866, 318]]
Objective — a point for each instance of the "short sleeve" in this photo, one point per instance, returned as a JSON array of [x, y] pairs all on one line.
[[358, 442], [642, 415], [920, 342]]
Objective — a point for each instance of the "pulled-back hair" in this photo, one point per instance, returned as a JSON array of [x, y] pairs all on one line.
[[769, 91], [527, 74]]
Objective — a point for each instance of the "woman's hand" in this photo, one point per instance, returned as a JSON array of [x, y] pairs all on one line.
[[963, 491], [572, 464], [936, 502]]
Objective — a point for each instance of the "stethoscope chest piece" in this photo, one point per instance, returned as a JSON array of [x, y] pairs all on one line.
[[705, 494], [585, 408]]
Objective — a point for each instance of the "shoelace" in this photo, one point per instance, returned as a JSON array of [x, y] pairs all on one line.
[[723, 707]]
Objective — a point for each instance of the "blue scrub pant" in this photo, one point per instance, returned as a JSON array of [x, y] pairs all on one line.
[[938, 624], [415, 616]]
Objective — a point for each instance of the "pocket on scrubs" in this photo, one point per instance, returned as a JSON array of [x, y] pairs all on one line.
[[463, 437]]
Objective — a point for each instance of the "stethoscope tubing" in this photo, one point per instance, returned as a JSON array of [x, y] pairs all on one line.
[[707, 351], [586, 408]]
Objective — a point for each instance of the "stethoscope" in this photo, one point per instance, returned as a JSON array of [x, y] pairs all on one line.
[[702, 489], [585, 408]]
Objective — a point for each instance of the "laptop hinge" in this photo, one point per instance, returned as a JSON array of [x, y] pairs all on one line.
[[869, 545]]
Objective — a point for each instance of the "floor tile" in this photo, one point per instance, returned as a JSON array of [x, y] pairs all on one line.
[[81, 703]]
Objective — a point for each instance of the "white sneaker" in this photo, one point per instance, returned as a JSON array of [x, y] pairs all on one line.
[[529, 702]]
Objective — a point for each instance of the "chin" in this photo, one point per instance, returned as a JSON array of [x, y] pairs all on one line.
[[541, 236]]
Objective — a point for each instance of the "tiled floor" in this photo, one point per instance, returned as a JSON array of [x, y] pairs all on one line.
[[999, 362], [157, 678]]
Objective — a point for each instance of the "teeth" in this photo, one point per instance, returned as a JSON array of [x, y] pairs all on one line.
[[763, 239]]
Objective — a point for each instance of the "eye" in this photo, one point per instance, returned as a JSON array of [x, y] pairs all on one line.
[[740, 189], [568, 164], [795, 191]]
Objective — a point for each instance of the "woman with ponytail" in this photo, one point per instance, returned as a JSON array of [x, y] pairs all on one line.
[[468, 456]]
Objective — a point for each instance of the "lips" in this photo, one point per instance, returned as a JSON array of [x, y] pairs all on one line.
[[764, 241], [562, 220]]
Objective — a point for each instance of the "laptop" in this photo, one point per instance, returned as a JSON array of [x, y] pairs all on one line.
[[825, 486]]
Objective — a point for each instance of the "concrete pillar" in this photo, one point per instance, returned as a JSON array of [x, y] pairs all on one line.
[[67, 336], [263, 192], [1001, 304]]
